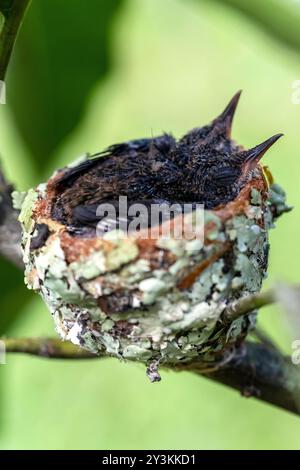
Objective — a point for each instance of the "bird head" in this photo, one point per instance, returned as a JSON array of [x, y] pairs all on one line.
[[218, 167]]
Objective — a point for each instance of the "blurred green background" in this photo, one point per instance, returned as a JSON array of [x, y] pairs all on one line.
[[84, 76]]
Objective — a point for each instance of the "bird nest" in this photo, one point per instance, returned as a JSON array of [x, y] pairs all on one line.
[[152, 299]]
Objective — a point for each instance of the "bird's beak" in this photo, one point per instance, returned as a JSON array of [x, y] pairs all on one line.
[[255, 154], [224, 122], [250, 158]]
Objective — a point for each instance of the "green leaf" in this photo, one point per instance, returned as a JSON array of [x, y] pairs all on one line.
[[62, 51]]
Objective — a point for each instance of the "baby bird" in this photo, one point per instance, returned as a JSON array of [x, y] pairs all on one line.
[[205, 166]]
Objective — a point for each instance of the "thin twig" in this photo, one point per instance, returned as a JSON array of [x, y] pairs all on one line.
[[13, 12], [46, 347], [248, 304]]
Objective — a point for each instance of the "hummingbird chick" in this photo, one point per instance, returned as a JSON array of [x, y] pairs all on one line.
[[203, 167]]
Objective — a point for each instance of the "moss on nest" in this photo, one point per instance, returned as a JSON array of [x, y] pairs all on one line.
[[152, 301]]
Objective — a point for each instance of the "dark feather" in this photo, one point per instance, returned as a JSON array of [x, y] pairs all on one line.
[[226, 176], [205, 166], [162, 143]]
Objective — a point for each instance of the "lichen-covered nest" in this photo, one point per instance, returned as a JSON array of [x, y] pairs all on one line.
[[154, 300]]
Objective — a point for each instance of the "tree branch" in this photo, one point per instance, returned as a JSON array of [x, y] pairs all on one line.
[[47, 348], [254, 369], [10, 227], [260, 371], [13, 12]]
